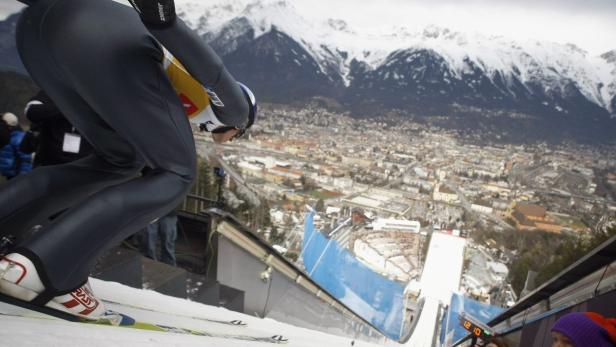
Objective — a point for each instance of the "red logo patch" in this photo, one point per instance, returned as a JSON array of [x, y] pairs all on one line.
[[189, 106], [84, 298]]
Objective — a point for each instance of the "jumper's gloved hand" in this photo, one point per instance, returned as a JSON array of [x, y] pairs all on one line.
[[155, 12], [220, 132]]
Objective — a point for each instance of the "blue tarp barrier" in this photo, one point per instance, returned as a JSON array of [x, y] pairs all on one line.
[[375, 298], [451, 330]]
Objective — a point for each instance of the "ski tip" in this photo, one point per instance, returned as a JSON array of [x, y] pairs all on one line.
[[126, 320], [116, 318], [238, 322]]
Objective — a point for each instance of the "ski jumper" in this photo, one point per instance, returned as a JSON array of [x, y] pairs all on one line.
[[105, 70]]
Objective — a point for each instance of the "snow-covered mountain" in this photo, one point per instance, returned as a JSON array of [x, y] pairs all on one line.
[[433, 71], [336, 48], [609, 88], [9, 59], [285, 57]]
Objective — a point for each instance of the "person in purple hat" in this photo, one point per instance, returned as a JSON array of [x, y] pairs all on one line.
[[584, 329]]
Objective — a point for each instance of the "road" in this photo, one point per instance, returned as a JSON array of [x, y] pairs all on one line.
[[479, 216]]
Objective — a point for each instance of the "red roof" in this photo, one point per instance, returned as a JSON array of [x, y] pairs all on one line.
[[445, 189], [531, 210]]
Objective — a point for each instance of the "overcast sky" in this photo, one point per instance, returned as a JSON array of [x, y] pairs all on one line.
[[8, 6], [590, 24]]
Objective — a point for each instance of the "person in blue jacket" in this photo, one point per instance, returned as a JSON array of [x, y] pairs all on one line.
[[105, 65], [14, 162]]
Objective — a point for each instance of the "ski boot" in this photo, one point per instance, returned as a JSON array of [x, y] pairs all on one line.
[[19, 279]]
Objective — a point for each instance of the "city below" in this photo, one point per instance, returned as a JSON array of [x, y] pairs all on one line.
[[380, 187]]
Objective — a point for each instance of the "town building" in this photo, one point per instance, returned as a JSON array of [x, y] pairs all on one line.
[[533, 217], [389, 224], [443, 193]]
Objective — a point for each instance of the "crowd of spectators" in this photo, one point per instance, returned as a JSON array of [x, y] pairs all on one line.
[[43, 137]]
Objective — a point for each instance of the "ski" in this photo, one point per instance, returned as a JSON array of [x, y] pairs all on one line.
[[235, 322], [40, 309], [127, 323], [279, 339]]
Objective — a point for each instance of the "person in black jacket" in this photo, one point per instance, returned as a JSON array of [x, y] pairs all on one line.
[[102, 63], [5, 134], [52, 138]]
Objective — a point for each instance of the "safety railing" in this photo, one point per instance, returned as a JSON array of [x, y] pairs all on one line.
[[279, 281], [588, 278]]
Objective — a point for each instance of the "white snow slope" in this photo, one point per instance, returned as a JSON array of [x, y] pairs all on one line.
[[159, 309], [440, 278]]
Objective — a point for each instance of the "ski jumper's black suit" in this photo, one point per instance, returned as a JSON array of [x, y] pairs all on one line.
[[102, 66]]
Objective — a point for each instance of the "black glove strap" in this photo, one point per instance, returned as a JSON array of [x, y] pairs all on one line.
[[155, 12]]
